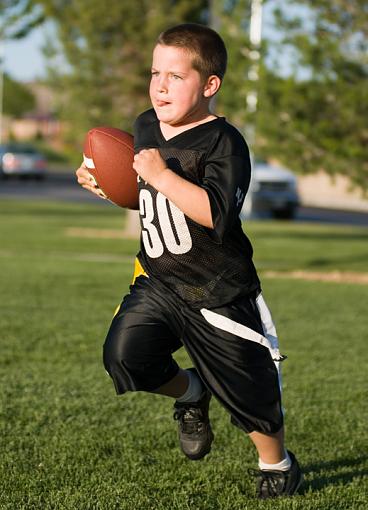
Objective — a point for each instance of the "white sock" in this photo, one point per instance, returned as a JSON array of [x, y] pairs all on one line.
[[283, 465], [195, 388]]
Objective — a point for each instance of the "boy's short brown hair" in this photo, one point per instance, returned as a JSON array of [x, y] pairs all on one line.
[[208, 51]]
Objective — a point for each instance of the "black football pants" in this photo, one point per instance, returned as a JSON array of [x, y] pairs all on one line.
[[153, 322]]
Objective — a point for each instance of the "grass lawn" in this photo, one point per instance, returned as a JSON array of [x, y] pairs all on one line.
[[67, 442]]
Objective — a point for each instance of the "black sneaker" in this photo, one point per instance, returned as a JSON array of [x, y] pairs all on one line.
[[195, 433], [271, 484]]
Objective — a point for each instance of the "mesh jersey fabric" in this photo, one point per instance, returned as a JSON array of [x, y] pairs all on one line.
[[205, 267]]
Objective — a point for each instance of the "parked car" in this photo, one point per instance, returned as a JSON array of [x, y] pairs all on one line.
[[23, 160], [272, 192]]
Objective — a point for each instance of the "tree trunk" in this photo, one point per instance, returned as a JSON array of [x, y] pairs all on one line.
[[132, 226]]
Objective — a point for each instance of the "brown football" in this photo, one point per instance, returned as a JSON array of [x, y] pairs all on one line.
[[108, 154]]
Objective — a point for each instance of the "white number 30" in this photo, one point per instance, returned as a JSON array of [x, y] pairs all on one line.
[[178, 241]]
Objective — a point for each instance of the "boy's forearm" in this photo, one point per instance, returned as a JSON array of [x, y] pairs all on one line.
[[188, 197]]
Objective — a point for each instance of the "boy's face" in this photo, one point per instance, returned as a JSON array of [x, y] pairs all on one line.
[[177, 91]]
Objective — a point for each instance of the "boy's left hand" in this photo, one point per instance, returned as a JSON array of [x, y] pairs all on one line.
[[149, 165]]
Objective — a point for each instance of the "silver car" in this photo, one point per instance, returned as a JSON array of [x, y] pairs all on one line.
[[272, 192], [21, 160]]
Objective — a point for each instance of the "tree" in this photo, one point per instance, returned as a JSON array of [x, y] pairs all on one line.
[[231, 19], [18, 99], [316, 118], [105, 50], [100, 58]]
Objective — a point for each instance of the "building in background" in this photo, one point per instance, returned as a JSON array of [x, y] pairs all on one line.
[[40, 123]]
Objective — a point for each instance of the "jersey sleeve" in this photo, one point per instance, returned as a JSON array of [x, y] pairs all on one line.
[[226, 180]]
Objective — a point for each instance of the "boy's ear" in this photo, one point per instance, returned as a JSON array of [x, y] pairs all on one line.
[[211, 86]]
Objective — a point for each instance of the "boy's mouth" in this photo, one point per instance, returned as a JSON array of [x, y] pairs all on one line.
[[161, 103]]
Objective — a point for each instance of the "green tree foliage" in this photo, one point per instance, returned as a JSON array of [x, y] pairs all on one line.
[[231, 19], [99, 61], [317, 118], [17, 99]]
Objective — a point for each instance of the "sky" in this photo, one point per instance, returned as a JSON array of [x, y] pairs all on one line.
[[23, 59]]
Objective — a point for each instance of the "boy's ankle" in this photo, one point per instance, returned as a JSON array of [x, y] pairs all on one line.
[[195, 388], [283, 465]]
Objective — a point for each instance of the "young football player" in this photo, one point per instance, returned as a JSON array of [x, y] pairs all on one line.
[[197, 286]]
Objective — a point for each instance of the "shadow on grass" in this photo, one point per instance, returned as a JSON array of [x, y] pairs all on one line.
[[39, 209], [363, 257], [325, 474], [358, 233]]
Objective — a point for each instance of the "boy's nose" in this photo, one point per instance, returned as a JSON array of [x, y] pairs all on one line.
[[162, 85]]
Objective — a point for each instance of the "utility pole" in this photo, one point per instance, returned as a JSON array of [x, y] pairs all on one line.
[[255, 38], [214, 23]]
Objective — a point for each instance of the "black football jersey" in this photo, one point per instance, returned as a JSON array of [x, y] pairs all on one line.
[[205, 267]]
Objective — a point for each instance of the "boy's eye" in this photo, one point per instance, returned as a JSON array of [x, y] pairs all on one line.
[[176, 77], [154, 73]]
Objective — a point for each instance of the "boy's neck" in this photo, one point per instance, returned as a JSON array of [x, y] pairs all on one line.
[[169, 131]]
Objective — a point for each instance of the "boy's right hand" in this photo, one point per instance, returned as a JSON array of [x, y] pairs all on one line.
[[87, 181]]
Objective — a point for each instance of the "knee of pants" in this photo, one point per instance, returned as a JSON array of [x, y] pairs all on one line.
[[134, 368], [135, 362], [132, 355], [119, 349]]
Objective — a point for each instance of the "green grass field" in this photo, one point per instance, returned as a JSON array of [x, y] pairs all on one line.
[[67, 442]]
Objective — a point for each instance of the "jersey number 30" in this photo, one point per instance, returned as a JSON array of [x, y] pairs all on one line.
[[174, 228]]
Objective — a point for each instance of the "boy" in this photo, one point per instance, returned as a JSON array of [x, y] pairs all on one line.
[[197, 285]]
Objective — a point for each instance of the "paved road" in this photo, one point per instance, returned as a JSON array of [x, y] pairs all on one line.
[[56, 186], [319, 215], [63, 186]]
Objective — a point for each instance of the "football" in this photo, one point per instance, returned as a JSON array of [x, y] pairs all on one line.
[[108, 153]]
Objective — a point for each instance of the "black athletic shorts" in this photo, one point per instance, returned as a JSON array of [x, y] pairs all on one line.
[[224, 344]]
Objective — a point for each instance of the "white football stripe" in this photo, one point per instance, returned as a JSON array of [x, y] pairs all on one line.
[[226, 324], [88, 162]]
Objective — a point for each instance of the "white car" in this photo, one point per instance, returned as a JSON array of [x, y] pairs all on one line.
[[23, 160], [272, 192]]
